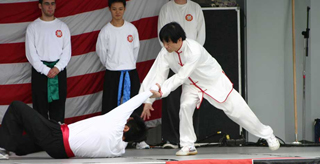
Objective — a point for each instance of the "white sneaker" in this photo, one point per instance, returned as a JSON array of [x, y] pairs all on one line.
[[273, 143], [142, 145], [187, 150], [3, 154]]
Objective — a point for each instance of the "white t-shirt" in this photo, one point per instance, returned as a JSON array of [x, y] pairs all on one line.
[[48, 41], [101, 136], [189, 16], [118, 47]]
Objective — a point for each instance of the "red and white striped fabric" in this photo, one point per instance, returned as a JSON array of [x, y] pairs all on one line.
[[84, 18]]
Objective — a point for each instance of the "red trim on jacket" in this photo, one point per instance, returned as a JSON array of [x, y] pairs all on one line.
[[65, 134], [204, 91], [179, 49]]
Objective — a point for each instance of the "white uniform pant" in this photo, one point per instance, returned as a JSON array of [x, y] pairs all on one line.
[[234, 107]]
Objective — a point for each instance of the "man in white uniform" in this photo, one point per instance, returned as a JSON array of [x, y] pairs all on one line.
[[100, 136], [118, 47], [201, 76], [48, 49], [190, 16]]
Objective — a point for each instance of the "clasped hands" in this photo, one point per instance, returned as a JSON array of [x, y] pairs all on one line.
[[156, 94], [53, 72], [146, 113]]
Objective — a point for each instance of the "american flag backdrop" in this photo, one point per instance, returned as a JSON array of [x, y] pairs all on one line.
[[85, 72]]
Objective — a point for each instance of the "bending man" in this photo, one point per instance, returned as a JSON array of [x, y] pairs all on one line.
[[201, 76]]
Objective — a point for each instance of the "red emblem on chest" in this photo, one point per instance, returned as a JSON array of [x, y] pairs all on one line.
[[59, 33], [189, 17], [130, 38]]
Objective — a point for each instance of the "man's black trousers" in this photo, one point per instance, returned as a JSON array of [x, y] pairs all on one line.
[[40, 133], [56, 109]]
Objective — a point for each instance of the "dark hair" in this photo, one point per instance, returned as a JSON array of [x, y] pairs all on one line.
[[137, 131], [172, 31], [40, 1], [110, 2]]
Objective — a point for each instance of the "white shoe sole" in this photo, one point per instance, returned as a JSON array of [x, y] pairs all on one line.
[[185, 154]]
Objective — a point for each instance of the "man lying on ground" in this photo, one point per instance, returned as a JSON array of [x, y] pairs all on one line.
[[100, 136]]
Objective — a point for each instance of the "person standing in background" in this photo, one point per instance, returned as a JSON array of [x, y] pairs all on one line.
[[48, 49], [190, 16], [118, 47]]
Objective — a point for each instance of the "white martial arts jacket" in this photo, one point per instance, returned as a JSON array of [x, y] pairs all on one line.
[[101, 136], [189, 16], [192, 65]]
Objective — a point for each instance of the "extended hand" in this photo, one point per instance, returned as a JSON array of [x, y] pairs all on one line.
[[146, 111]]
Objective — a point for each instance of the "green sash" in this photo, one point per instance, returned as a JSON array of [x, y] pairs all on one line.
[[53, 84]]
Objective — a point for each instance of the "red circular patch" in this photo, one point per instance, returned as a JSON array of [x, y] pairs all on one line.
[[130, 38], [189, 17], [59, 33]]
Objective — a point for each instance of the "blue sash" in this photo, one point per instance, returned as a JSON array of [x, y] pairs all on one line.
[[125, 82]]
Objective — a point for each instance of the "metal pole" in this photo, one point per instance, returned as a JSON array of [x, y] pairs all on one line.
[[306, 48], [294, 75]]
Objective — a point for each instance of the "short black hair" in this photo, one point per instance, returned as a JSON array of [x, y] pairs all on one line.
[[40, 1], [138, 130], [172, 31], [110, 2]]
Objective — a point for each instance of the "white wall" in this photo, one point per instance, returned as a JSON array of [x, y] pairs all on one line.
[[300, 25], [314, 60], [270, 68]]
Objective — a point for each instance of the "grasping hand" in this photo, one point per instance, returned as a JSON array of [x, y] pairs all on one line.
[[156, 94]]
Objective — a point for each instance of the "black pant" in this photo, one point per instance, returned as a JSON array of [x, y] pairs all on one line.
[[170, 115], [41, 134], [40, 102], [110, 90]]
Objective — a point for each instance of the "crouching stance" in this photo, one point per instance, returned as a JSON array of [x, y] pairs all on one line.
[[101, 136], [201, 77]]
